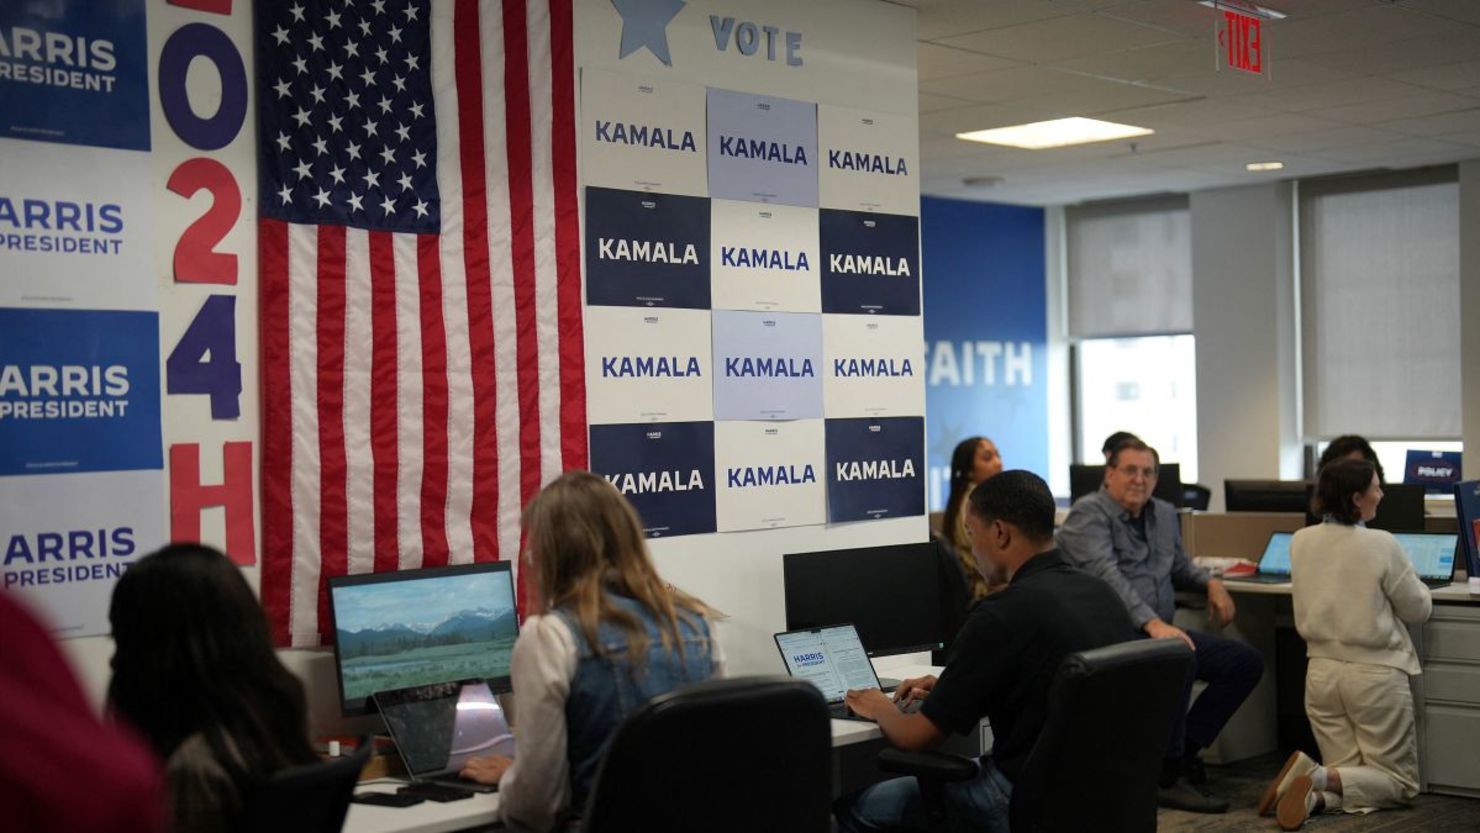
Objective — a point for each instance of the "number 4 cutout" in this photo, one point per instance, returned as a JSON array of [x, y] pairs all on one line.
[[204, 360]]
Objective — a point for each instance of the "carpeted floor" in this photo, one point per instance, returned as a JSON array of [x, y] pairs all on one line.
[[1242, 784]]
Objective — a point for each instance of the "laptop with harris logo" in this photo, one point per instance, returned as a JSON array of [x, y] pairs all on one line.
[[831, 658]]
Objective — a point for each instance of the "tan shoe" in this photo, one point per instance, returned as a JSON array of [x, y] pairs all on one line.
[[1297, 765], [1294, 806]]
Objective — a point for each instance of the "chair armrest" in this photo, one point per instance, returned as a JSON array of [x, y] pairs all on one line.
[[935, 766]]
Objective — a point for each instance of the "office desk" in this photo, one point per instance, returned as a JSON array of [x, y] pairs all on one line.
[[1446, 697], [855, 743]]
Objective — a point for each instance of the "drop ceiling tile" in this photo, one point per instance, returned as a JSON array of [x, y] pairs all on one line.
[[1179, 16], [1386, 57], [1461, 75], [1384, 153], [930, 103], [1094, 97], [944, 18], [1282, 124], [1368, 25], [1147, 63], [937, 61], [1061, 39], [1205, 78], [1348, 91], [1466, 11], [1408, 107], [1316, 141], [1437, 125]]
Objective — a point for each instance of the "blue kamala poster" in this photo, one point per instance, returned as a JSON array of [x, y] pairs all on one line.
[[875, 468], [870, 262], [75, 72], [762, 149], [665, 468], [646, 250], [79, 391], [767, 365]]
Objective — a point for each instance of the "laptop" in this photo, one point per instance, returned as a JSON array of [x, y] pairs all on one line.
[[438, 727], [1274, 565], [1432, 555], [831, 658]]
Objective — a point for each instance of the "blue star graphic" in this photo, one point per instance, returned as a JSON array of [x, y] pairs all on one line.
[[644, 23]]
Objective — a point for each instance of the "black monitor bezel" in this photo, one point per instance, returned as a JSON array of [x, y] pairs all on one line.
[[1168, 481], [926, 551], [366, 705]]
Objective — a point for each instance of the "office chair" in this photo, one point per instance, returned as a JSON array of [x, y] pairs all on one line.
[[1110, 713], [723, 756], [955, 598], [312, 798]]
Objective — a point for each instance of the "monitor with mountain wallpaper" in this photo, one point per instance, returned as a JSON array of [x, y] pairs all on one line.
[[414, 627]]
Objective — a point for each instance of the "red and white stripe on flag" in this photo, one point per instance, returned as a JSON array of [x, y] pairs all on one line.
[[418, 388]]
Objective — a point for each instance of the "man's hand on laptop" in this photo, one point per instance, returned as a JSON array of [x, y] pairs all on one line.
[[914, 689], [869, 702], [487, 770], [1157, 629]]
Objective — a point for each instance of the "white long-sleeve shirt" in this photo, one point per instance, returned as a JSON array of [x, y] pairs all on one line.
[[1353, 589], [534, 793]]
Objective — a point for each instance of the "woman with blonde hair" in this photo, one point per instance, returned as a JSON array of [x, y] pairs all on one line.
[[609, 636]]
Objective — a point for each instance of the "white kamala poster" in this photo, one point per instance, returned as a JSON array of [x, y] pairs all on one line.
[[769, 474], [872, 366], [647, 365], [643, 135], [764, 257], [868, 160]]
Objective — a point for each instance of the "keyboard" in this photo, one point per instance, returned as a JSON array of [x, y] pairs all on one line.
[[435, 791]]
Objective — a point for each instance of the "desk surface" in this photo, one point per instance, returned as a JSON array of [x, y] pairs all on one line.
[[482, 808], [1456, 592]]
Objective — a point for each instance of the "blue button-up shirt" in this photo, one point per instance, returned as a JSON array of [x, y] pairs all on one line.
[[1145, 569]]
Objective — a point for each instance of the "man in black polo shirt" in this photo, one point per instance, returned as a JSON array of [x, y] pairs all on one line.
[[1006, 656]]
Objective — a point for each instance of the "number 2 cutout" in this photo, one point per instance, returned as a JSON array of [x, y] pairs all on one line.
[[196, 260]]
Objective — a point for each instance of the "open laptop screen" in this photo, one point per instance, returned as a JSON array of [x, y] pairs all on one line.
[[830, 658], [1432, 553], [438, 727], [1276, 558]]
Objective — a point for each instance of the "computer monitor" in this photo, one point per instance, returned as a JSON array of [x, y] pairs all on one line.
[[396, 630], [892, 594], [1401, 509], [1085, 479], [1267, 496]]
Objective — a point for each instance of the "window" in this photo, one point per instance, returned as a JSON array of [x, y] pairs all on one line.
[[1147, 386], [1130, 319], [1379, 275]]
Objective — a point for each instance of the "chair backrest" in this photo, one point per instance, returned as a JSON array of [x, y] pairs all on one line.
[[1110, 715], [955, 598], [312, 798], [723, 756]]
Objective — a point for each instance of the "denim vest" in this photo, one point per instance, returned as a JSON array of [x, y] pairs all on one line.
[[607, 689]]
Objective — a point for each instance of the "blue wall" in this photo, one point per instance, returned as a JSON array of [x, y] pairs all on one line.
[[986, 333]]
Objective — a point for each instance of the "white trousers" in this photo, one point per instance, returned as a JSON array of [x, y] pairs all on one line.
[[1362, 717]]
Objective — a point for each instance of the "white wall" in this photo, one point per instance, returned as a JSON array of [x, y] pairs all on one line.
[[1243, 298]]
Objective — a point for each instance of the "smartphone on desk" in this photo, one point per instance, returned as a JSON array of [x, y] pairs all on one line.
[[387, 799]]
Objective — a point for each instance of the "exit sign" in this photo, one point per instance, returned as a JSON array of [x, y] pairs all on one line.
[[1241, 42]]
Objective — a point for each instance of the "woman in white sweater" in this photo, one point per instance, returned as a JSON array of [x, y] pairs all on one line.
[[1354, 590]]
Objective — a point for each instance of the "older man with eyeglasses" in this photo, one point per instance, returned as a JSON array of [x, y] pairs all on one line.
[[1134, 542]]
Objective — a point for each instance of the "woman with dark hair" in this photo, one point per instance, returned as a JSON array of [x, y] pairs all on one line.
[[975, 459], [611, 635], [1353, 447], [195, 673], [1354, 592]]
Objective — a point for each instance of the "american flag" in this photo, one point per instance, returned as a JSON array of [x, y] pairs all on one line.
[[422, 363]]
